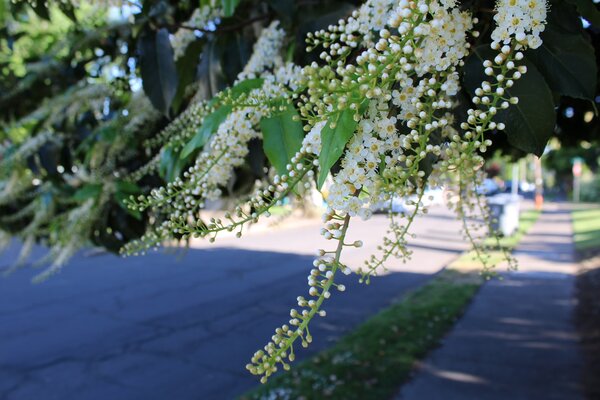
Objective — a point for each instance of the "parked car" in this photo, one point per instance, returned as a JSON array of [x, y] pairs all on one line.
[[430, 198], [489, 187]]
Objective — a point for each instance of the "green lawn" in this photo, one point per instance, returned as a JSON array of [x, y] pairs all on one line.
[[374, 360], [586, 227]]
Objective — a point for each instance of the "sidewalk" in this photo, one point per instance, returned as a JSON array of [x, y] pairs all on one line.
[[516, 340]]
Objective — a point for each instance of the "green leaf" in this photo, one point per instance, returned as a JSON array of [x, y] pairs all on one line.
[[282, 137], [209, 126], [2, 13], [588, 10], [187, 66], [284, 9], [210, 76], [41, 9], [127, 187], [530, 123], [88, 191], [68, 9], [563, 17], [568, 63], [246, 86], [171, 164], [157, 67], [334, 136], [212, 121], [229, 7]]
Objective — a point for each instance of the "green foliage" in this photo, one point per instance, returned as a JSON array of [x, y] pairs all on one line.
[[186, 71], [586, 227], [171, 164], [590, 190], [209, 126], [335, 135], [282, 137], [211, 123], [530, 123], [109, 157], [229, 7], [89, 191], [568, 64], [158, 69], [588, 10]]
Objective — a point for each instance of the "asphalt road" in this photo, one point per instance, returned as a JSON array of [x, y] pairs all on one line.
[[156, 327]]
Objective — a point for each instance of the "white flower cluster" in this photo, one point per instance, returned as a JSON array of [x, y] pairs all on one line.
[[266, 52], [376, 135], [300, 167], [372, 15], [522, 20], [228, 146], [199, 20], [392, 67], [445, 38]]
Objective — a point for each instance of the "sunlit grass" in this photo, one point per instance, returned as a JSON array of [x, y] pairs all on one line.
[[495, 248], [586, 227]]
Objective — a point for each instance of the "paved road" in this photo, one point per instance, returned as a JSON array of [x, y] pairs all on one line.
[[517, 340], [153, 327]]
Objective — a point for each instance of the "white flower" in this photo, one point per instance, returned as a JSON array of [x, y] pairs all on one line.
[[522, 20]]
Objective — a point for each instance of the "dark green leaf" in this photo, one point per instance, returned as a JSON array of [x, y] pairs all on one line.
[[283, 8], [209, 126], [88, 191], [530, 123], [186, 66], [127, 187], [171, 164], [229, 7], [235, 51], [2, 13], [212, 121], [246, 86], [563, 17], [282, 137], [568, 63], [210, 75], [68, 9], [41, 9], [159, 74], [334, 136], [588, 10]]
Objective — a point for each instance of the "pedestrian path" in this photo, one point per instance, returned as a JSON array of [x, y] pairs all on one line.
[[517, 339]]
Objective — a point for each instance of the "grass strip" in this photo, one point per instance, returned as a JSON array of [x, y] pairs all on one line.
[[469, 261], [586, 228], [377, 357], [586, 235], [370, 362]]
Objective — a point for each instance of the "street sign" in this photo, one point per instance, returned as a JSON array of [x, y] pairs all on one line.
[[577, 169], [577, 166]]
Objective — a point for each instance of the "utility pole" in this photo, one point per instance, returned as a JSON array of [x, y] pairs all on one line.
[[515, 179], [539, 183], [577, 169]]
